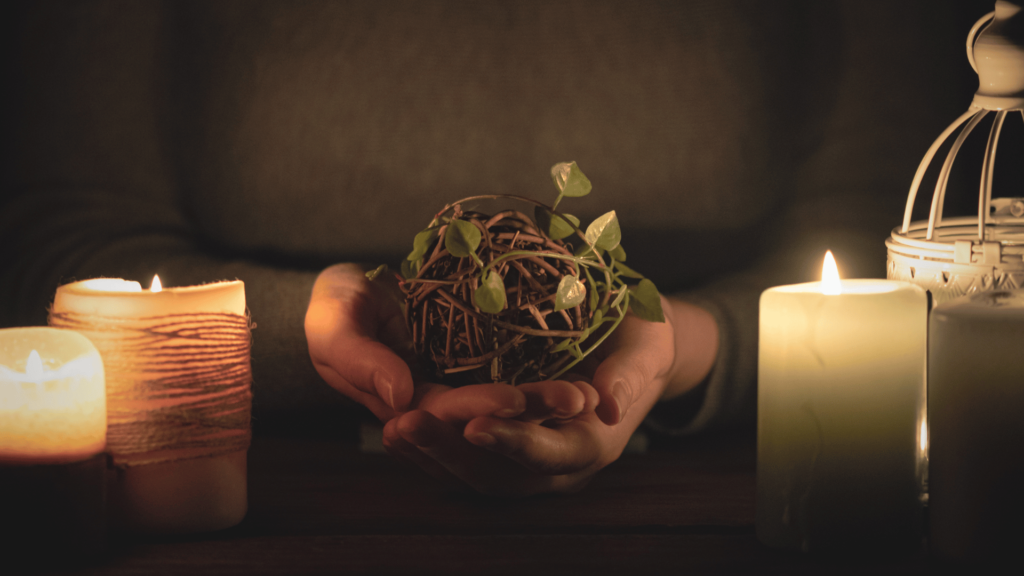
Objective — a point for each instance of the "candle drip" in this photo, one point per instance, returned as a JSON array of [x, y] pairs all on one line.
[[178, 386]]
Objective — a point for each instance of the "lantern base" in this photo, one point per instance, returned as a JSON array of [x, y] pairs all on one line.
[[53, 514]]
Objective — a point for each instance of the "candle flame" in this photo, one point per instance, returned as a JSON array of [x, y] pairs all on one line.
[[34, 365], [156, 286], [923, 437], [830, 276]]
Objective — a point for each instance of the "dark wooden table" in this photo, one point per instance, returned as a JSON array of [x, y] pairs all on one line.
[[321, 506]]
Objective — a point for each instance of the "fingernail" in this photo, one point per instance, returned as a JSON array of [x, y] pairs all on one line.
[[482, 439], [559, 413], [622, 398], [380, 381]]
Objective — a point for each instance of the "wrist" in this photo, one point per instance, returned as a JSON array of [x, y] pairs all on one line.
[[696, 341]]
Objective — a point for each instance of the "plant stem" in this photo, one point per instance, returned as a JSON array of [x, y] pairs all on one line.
[[623, 307]]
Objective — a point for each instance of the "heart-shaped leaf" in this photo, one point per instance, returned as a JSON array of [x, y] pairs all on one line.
[[627, 271], [570, 180], [553, 225], [570, 293], [462, 238], [585, 251], [645, 301], [490, 296], [604, 232], [421, 243], [410, 268], [618, 253], [597, 319]]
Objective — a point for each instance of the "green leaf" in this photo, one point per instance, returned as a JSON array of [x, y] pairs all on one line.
[[646, 302], [604, 232], [627, 271], [410, 268], [593, 288], [372, 274], [570, 180], [490, 296], [552, 225], [421, 243], [584, 251], [571, 292], [619, 297], [562, 345], [597, 319], [618, 253], [462, 238]]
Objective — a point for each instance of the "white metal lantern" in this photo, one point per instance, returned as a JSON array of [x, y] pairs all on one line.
[[956, 256]]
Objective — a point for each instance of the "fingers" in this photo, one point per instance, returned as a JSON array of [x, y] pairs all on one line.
[[503, 457], [445, 446], [404, 450], [556, 399], [460, 405], [559, 450]]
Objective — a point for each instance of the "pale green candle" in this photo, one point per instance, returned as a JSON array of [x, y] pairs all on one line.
[[841, 404]]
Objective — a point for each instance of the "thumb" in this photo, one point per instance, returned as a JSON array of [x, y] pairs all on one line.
[[637, 366], [346, 319], [367, 366]]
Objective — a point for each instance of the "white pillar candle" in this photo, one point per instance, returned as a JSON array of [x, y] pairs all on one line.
[[976, 417], [178, 394], [52, 400], [841, 403]]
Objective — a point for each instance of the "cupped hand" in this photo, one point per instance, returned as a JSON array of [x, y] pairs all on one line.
[[542, 452], [356, 333], [433, 436], [359, 344]]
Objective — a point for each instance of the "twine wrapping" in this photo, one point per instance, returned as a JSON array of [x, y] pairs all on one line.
[[178, 386]]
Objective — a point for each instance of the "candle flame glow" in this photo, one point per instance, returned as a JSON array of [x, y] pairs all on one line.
[[830, 276], [112, 285], [34, 366], [156, 286], [923, 437]]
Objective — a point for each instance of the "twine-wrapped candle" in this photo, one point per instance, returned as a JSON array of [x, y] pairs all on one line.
[[178, 395]]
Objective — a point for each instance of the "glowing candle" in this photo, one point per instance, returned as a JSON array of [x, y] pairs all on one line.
[[975, 407], [52, 401], [178, 394], [841, 405], [53, 424]]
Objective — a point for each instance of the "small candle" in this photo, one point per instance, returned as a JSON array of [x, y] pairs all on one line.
[[53, 425], [975, 407], [178, 381], [841, 404], [52, 400]]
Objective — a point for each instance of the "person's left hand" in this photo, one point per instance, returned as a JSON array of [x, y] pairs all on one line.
[[537, 452]]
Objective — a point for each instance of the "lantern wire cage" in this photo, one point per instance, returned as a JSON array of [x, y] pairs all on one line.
[[963, 255]]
